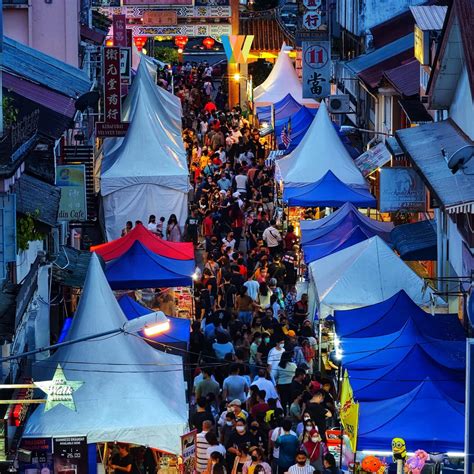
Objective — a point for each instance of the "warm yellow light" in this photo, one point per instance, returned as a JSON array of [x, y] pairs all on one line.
[[180, 51], [144, 51], [156, 329], [236, 77]]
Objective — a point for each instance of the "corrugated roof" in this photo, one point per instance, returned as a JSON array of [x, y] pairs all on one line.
[[36, 66], [429, 17], [405, 78], [39, 94], [35, 196], [424, 145], [373, 58], [268, 36]]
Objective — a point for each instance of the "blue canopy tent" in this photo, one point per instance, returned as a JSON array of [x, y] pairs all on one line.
[[299, 121], [342, 222], [282, 109], [404, 375], [425, 417], [376, 352], [391, 315], [141, 268], [329, 191], [178, 334], [314, 252]]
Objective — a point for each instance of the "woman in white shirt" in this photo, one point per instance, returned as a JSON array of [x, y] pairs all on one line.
[[284, 376], [229, 240], [274, 357]]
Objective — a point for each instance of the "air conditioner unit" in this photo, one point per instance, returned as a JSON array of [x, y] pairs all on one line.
[[60, 236], [339, 104], [424, 99]]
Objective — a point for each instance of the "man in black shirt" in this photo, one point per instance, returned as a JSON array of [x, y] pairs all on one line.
[[319, 413], [191, 227], [123, 462]]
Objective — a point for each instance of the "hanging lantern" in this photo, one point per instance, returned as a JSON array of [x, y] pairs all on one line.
[[208, 43], [139, 42], [180, 41], [109, 42]]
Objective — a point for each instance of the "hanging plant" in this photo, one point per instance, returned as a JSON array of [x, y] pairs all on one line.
[[26, 231]]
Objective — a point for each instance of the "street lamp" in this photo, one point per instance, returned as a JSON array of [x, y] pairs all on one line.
[[351, 128], [151, 324]]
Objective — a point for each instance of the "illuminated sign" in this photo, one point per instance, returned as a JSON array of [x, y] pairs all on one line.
[[422, 46], [237, 48]]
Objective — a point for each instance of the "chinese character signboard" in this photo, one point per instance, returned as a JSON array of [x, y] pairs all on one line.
[[160, 17], [311, 20], [71, 455], [316, 69], [401, 189], [372, 159], [188, 452], [120, 30], [112, 102], [72, 181], [125, 65], [312, 4]]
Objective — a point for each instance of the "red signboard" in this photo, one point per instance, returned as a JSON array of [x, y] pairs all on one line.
[[160, 18], [165, 3], [104, 129], [119, 24], [112, 103]]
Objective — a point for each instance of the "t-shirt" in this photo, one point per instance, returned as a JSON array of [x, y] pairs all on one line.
[[297, 469], [192, 224], [124, 462], [221, 350], [206, 387], [235, 386], [201, 451], [241, 183], [276, 433], [219, 449], [198, 418], [274, 357], [289, 445], [252, 288]]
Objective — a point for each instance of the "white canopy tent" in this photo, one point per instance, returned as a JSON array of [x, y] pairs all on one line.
[[320, 151], [146, 171], [132, 393], [363, 274], [281, 81]]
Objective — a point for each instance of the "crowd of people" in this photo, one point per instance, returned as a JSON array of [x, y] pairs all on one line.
[[263, 383]]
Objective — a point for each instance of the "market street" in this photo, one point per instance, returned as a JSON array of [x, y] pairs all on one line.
[[237, 237]]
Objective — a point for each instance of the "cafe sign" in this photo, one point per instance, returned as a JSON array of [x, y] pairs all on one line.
[[59, 391]]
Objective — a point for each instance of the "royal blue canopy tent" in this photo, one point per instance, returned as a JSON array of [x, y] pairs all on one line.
[[141, 268], [340, 223], [299, 123], [282, 109], [404, 375], [178, 333], [425, 417], [376, 352], [391, 315], [329, 191]]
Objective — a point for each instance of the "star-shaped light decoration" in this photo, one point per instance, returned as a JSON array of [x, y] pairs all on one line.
[[59, 391]]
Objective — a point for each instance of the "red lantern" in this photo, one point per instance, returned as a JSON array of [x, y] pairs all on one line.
[[139, 42], [208, 43], [180, 41], [109, 42]]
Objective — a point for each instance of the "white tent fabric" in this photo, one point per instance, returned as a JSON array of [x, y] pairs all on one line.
[[320, 151], [281, 81], [146, 171], [132, 393], [364, 274]]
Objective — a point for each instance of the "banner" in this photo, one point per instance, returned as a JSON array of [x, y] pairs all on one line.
[[70, 455], [72, 181], [401, 189], [316, 69], [237, 47], [349, 412], [119, 25], [373, 159], [41, 455], [188, 452]]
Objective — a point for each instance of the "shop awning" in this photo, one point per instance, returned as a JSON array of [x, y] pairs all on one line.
[[393, 146], [405, 78], [415, 111], [416, 241], [425, 145], [38, 198]]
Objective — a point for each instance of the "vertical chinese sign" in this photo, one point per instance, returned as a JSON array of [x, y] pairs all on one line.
[[112, 125], [120, 30], [316, 69], [188, 452]]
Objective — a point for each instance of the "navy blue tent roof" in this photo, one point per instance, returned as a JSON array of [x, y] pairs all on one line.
[[341, 222], [141, 268], [329, 191], [299, 121], [404, 375], [314, 252], [382, 351], [425, 417], [282, 109], [416, 241], [179, 327], [391, 315]]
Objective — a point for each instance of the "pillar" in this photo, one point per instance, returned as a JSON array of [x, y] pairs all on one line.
[[233, 69]]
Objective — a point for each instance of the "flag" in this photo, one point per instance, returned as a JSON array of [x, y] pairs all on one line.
[[349, 412], [286, 134]]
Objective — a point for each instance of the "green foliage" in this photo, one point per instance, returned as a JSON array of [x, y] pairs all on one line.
[[166, 54], [26, 230], [10, 112]]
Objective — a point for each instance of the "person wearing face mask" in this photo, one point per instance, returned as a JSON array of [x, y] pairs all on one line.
[[264, 349], [274, 357], [238, 444], [256, 455], [315, 449], [227, 428], [301, 466], [309, 425]]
